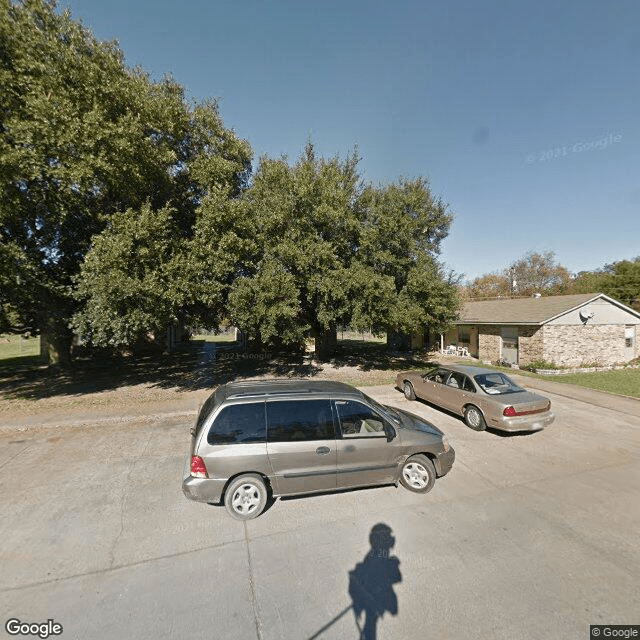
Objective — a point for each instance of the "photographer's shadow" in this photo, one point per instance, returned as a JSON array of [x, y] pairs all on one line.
[[371, 582]]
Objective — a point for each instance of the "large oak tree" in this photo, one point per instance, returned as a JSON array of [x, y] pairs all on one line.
[[83, 138]]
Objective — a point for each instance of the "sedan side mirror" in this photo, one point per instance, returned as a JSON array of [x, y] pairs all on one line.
[[390, 431]]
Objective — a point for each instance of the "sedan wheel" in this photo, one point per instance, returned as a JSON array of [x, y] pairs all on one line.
[[409, 393], [474, 419], [418, 474], [246, 497]]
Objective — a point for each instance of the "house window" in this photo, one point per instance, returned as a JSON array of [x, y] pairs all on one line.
[[464, 334]]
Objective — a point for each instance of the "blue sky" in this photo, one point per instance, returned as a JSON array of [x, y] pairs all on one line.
[[524, 117]]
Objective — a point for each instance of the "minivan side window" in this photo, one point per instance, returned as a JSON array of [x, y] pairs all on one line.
[[359, 421], [239, 424], [299, 420]]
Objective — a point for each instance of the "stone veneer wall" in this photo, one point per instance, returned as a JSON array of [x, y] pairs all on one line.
[[489, 342], [573, 345], [530, 344]]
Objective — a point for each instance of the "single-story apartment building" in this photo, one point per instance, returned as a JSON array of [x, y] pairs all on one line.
[[568, 330]]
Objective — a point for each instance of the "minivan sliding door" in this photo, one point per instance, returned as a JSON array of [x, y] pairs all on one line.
[[301, 445]]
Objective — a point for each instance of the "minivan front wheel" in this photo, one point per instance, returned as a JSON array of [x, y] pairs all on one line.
[[246, 497], [418, 474]]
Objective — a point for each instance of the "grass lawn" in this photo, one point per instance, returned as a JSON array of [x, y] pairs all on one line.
[[17, 351], [220, 337], [624, 382]]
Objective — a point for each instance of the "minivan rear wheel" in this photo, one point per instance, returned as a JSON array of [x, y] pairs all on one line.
[[418, 474], [246, 497]]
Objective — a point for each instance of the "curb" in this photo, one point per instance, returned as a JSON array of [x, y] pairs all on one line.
[[95, 422]]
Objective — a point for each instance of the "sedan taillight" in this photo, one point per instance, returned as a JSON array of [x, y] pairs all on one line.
[[198, 470], [510, 412]]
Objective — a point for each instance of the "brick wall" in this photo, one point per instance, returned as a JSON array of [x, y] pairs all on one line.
[[530, 344], [573, 345], [489, 342]]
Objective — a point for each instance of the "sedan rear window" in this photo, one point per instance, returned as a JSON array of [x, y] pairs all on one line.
[[496, 383]]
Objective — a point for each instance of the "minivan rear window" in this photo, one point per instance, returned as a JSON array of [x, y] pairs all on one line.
[[296, 420], [238, 424]]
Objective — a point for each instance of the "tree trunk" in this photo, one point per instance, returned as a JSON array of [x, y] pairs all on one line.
[[55, 344], [326, 343]]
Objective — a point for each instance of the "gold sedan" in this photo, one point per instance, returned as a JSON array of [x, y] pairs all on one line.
[[485, 398]]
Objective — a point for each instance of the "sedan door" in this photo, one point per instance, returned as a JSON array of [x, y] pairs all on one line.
[[301, 445], [431, 385], [365, 457], [451, 392]]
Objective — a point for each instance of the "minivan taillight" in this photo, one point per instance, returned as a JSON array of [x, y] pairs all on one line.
[[198, 470]]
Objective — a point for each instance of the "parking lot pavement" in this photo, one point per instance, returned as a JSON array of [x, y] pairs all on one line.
[[529, 536]]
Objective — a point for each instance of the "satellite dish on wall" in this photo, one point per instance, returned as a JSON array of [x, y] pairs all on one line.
[[585, 315]]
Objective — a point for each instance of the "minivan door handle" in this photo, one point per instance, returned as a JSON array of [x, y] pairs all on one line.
[[322, 451]]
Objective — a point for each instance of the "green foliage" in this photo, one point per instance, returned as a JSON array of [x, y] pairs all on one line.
[[330, 252], [624, 282], [125, 209], [620, 280], [83, 138], [540, 364], [126, 278], [267, 305]]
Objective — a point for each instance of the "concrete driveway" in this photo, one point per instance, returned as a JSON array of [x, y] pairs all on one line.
[[528, 537]]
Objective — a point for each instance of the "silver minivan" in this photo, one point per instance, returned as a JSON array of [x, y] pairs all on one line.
[[253, 439]]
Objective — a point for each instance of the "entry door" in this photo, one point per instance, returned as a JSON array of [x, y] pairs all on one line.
[[629, 341], [510, 344]]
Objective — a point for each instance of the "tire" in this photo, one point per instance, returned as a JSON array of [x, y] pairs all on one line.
[[246, 497], [418, 474], [409, 393], [474, 419]]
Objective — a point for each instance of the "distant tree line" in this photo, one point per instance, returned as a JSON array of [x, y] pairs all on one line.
[[540, 273], [126, 208]]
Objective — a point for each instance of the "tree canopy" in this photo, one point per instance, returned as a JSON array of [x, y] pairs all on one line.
[[82, 138], [126, 208], [332, 251], [620, 280], [535, 272]]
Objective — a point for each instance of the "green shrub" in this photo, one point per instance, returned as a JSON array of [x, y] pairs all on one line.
[[540, 364]]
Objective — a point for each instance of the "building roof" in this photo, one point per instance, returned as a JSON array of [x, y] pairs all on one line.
[[527, 310]]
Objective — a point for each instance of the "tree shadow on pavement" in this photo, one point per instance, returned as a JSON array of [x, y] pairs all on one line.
[[195, 365], [368, 356], [191, 367]]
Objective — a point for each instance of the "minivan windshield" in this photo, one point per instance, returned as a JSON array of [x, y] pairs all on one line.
[[385, 411], [496, 383]]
